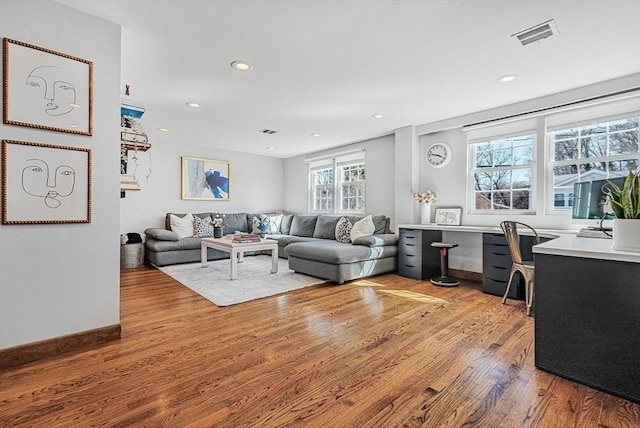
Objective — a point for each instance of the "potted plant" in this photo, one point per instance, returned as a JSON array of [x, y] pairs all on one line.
[[625, 204], [425, 199]]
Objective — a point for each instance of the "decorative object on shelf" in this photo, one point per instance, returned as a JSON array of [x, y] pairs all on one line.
[[45, 183], [449, 216], [625, 203], [133, 138], [29, 72], [205, 179], [439, 155], [425, 199]]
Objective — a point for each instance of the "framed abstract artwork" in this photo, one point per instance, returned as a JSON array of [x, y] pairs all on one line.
[[449, 216], [205, 179], [46, 89], [45, 183]]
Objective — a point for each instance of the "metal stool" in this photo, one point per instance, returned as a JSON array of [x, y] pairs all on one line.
[[444, 280]]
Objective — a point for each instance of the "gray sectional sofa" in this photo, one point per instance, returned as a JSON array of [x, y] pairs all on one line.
[[307, 240]]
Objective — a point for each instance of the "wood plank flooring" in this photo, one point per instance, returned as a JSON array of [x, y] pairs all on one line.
[[365, 354]]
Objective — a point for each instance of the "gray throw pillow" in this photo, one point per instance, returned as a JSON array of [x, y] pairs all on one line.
[[303, 224], [161, 234], [285, 226], [326, 226]]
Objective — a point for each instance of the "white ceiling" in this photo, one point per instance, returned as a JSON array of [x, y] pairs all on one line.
[[327, 66]]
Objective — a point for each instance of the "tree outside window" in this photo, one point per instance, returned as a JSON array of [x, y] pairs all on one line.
[[502, 172], [590, 152]]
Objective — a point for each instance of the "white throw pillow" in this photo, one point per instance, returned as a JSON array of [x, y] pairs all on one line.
[[343, 230], [183, 227], [364, 227]]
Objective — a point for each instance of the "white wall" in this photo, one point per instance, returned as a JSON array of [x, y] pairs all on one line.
[[451, 180], [255, 186], [379, 156], [62, 279]]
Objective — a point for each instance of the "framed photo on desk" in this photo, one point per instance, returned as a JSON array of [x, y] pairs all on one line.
[[448, 216]]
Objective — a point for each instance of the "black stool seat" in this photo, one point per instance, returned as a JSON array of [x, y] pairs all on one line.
[[444, 280]]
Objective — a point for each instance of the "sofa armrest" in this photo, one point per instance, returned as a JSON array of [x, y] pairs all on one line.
[[161, 234], [380, 240]]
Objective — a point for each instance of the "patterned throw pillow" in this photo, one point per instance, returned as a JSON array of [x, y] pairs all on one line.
[[267, 224], [202, 228], [343, 230]]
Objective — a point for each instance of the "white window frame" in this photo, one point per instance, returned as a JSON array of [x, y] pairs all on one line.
[[471, 191], [552, 163], [335, 162]]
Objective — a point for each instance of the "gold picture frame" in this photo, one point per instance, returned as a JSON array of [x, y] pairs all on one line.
[[45, 183], [46, 89], [205, 179]]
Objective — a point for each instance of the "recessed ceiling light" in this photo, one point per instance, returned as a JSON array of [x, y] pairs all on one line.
[[271, 148], [316, 134], [377, 116], [241, 65], [163, 129], [192, 104], [73, 125], [507, 78], [74, 105]]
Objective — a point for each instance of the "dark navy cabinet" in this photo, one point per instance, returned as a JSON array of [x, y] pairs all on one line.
[[416, 258]]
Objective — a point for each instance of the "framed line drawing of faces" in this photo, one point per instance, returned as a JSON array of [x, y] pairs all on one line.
[[45, 183], [46, 89]]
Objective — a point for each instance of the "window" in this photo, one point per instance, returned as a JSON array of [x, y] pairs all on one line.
[[594, 151], [337, 185], [322, 189], [502, 173], [351, 187]]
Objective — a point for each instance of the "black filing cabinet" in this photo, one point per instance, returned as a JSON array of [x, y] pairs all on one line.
[[416, 258], [496, 265]]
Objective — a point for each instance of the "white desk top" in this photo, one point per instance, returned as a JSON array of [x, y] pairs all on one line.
[[563, 242], [590, 248], [544, 233]]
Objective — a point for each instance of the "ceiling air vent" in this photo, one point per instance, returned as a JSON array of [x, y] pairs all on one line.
[[268, 131], [539, 32]]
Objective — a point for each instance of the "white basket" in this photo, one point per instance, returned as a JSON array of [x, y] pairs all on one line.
[[131, 255]]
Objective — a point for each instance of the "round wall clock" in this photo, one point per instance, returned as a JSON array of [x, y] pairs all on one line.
[[439, 154]]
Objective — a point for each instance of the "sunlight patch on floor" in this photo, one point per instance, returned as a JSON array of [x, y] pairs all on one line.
[[422, 298], [366, 283]]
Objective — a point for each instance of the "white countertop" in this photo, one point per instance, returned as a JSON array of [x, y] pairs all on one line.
[[564, 242], [590, 248], [543, 233]]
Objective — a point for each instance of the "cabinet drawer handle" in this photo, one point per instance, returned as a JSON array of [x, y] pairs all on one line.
[[499, 254], [409, 245], [409, 266]]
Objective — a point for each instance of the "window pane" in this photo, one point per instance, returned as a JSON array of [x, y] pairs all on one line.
[[483, 200], [501, 179], [502, 157], [593, 146], [521, 178], [483, 155], [501, 200], [521, 200], [566, 133], [623, 142], [522, 155], [618, 125], [566, 149], [483, 181]]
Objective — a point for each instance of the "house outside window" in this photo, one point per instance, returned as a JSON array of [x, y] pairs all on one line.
[[502, 173], [337, 184], [593, 151]]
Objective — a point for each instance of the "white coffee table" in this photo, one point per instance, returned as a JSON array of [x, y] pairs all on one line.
[[236, 251]]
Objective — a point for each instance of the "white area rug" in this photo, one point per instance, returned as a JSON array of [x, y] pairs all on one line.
[[254, 281]]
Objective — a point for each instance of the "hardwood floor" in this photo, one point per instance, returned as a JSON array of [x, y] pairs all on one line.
[[371, 353]]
